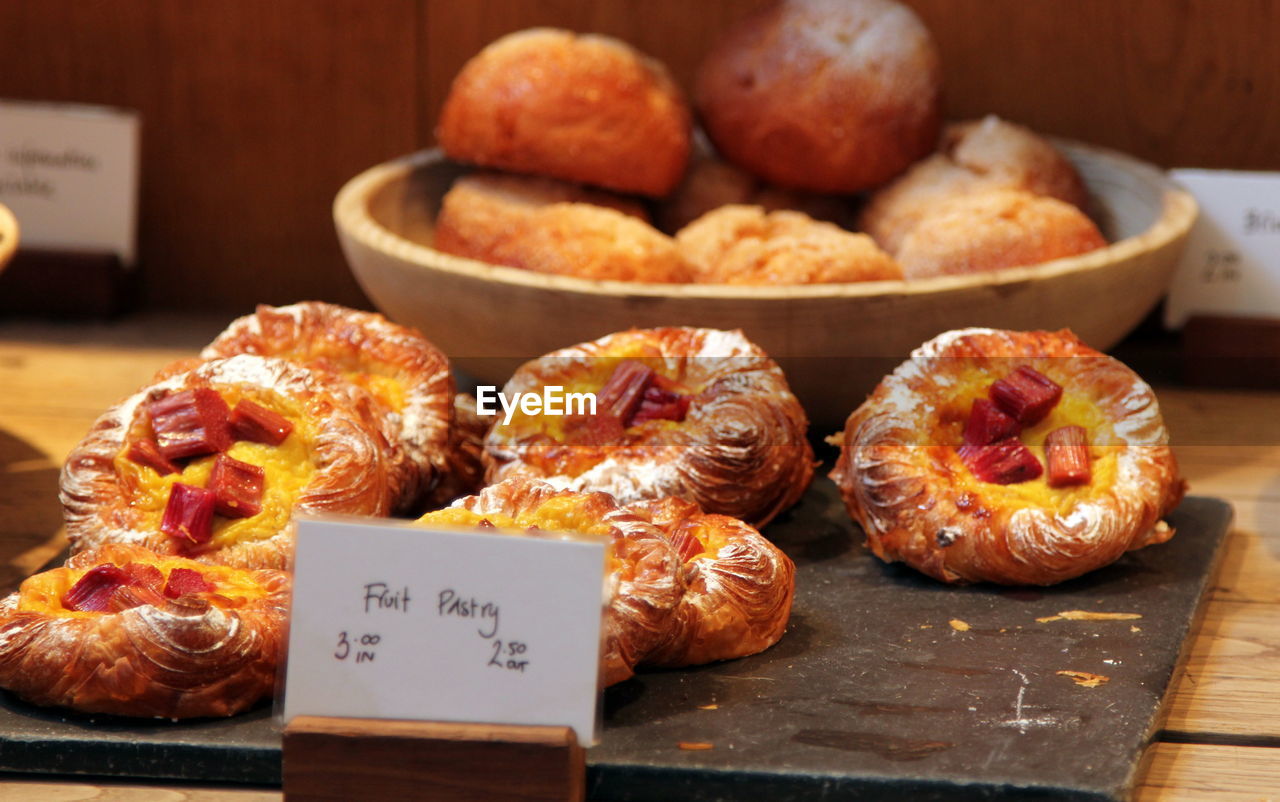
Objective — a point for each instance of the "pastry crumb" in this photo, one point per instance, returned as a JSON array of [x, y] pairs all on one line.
[[926, 626], [1084, 679], [1086, 615], [958, 625], [695, 746], [1135, 629], [708, 707]]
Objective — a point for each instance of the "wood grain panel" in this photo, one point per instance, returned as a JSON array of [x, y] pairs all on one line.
[[253, 116], [1197, 772]]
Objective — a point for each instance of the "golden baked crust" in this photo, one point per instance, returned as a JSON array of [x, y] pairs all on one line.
[[740, 449], [464, 468], [975, 155], [993, 229], [335, 460], [587, 108], [826, 95], [685, 588], [506, 221], [744, 245], [738, 586], [200, 654], [918, 502], [401, 371]]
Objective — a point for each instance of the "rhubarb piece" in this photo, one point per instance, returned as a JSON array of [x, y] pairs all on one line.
[[92, 593], [146, 452], [1026, 394], [126, 597], [186, 580], [988, 423], [237, 487], [1006, 462], [144, 576], [190, 423], [660, 404], [1067, 454], [593, 430], [622, 393], [254, 422], [189, 513], [686, 545]]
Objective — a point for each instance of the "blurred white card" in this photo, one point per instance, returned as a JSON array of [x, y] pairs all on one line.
[[397, 621], [1231, 266], [70, 174]]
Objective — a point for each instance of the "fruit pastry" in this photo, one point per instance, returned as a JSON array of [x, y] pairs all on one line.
[[212, 463], [1021, 458], [685, 588], [698, 414], [407, 378], [122, 630]]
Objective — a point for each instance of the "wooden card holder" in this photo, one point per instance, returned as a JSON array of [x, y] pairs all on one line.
[[375, 759]]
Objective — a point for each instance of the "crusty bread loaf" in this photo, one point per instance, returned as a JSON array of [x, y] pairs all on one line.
[[582, 108], [550, 228], [992, 229], [745, 245], [825, 95]]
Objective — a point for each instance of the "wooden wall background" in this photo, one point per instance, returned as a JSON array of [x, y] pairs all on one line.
[[255, 113]]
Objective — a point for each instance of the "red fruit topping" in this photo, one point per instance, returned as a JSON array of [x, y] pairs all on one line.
[[128, 596], [189, 513], [144, 576], [146, 452], [686, 545], [190, 423], [1006, 462], [92, 593], [186, 580], [254, 422], [659, 404], [623, 392], [987, 424], [1026, 394], [237, 487], [1067, 452]]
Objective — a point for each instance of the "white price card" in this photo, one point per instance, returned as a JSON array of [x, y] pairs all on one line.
[[1231, 265], [396, 621], [69, 172]]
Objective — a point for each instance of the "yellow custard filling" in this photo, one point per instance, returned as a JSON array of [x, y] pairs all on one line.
[[1073, 409], [43, 593], [288, 470], [557, 514]]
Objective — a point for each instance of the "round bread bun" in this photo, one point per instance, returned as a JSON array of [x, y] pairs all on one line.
[[685, 587], [547, 227], [906, 483], [335, 459], [990, 153], [403, 372], [155, 645], [993, 229], [746, 245], [826, 95], [583, 108], [736, 446]]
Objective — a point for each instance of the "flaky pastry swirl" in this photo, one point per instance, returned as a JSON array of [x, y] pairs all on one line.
[[741, 449], [903, 482]]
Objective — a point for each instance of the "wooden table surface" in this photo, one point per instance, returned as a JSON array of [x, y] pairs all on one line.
[[1222, 737]]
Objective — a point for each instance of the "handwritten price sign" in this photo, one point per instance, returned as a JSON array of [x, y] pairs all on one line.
[[395, 621]]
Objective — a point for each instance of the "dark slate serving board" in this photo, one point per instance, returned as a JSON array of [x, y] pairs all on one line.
[[871, 694]]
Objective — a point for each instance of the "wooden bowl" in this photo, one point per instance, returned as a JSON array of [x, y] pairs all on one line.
[[8, 235], [835, 341]]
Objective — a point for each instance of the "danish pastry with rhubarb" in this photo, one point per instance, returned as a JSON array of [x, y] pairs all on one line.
[[406, 377], [1022, 458], [699, 414], [212, 463], [685, 588], [122, 630]]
